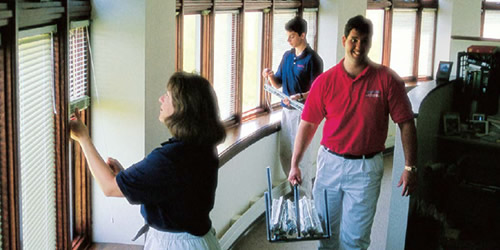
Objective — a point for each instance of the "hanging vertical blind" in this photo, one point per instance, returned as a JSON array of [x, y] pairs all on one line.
[[36, 136], [78, 61]]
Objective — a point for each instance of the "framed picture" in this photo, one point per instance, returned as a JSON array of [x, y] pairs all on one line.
[[480, 127], [444, 71], [451, 123]]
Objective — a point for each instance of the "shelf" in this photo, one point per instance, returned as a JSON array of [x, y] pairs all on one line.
[[475, 141]]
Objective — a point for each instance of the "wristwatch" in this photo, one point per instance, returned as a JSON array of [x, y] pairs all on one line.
[[411, 169]]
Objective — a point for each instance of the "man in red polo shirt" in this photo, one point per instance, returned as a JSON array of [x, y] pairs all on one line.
[[356, 97]]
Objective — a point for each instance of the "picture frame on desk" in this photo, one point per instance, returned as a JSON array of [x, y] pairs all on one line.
[[451, 123], [444, 71], [480, 127]]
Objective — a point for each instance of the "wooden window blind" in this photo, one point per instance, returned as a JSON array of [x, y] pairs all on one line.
[[37, 141]]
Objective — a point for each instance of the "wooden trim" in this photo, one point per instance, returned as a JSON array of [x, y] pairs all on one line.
[[491, 5], [207, 45], [180, 40], [242, 143], [239, 56], [8, 136], [266, 58], [434, 44], [473, 38], [62, 175], [379, 4], [416, 45], [405, 5], [386, 55]]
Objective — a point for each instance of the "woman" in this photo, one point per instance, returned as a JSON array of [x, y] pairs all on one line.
[[175, 184]]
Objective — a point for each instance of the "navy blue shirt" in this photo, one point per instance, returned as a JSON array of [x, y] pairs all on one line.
[[297, 73], [175, 185]]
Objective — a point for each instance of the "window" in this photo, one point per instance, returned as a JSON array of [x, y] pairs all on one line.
[[280, 41], [34, 146], [252, 50], [425, 57], [192, 48], [37, 142], [403, 41], [311, 16], [377, 18], [79, 96], [239, 38], [404, 36], [225, 63], [491, 19]]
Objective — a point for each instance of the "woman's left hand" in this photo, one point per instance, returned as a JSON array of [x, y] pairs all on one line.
[[78, 130]]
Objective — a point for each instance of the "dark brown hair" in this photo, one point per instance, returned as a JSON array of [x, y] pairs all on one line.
[[297, 24], [361, 24], [196, 112]]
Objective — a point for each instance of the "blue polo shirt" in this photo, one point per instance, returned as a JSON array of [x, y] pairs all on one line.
[[175, 185], [297, 73]]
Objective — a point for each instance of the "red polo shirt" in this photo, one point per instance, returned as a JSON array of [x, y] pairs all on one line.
[[357, 110]]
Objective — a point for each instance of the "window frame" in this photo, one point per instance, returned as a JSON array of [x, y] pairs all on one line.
[[15, 16], [208, 10], [484, 7], [419, 5]]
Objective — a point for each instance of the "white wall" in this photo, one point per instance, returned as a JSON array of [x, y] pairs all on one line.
[[133, 56]]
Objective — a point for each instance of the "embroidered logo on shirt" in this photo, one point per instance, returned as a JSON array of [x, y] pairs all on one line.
[[372, 93], [300, 65]]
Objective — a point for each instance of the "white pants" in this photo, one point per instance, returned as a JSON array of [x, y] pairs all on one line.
[[290, 120], [353, 188], [157, 240]]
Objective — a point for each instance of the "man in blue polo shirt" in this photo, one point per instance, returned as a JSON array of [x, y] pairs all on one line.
[[296, 73]]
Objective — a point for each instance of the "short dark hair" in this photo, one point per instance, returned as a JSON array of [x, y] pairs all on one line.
[[196, 112], [297, 24], [361, 24]]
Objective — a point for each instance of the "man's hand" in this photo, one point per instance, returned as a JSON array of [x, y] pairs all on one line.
[[115, 165], [78, 130], [409, 182], [294, 177], [267, 72]]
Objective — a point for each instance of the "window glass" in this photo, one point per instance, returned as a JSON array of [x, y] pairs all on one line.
[[36, 142], [78, 66], [191, 44], [280, 43], [426, 43], [403, 40], [252, 47], [225, 69], [491, 24], [377, 18], [310, 17]]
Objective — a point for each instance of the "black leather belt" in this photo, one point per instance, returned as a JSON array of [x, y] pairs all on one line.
[[352, 157]]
